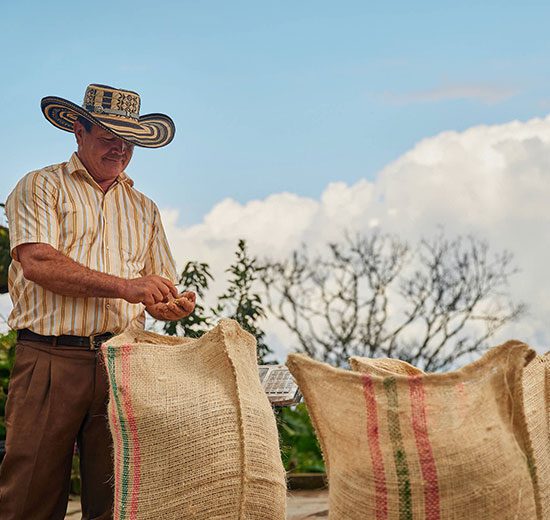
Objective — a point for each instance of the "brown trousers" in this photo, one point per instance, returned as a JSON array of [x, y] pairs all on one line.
[[57, 395]]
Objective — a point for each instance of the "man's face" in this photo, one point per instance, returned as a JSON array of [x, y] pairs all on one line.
[[104, 155]]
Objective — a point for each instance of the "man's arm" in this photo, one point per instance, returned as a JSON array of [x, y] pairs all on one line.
[[54, 271]]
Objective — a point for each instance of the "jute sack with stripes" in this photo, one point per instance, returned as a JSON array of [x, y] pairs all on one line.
[[383, 366], [428, 446], [536, 399], [193, 432], [536, 395]]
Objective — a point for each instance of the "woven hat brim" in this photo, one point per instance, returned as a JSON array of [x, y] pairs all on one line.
[[150, 131]]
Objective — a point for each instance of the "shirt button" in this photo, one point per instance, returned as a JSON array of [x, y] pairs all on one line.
[[108, 305]]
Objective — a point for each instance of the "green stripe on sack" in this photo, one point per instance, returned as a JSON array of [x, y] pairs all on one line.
[[111, 356], [400, 458]]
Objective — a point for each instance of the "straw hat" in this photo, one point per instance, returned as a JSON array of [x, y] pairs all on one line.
[[114, 110]]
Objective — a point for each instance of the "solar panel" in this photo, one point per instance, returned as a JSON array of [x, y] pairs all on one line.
[[279, 385]]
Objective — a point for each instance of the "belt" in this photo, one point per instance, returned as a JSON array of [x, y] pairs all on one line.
[[90, 342]]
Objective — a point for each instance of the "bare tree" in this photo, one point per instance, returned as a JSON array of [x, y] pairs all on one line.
[[375, 296]]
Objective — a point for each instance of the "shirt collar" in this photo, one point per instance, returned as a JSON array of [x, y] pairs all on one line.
[[75, 165]]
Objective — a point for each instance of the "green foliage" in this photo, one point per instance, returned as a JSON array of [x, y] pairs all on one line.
[[240, 303], [7, 358], [194, 277], [5, 258], [299, 447], [76, 483]]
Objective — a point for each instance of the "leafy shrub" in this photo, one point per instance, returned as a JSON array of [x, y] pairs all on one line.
[[5, 259], [7, 357], [299, 447]]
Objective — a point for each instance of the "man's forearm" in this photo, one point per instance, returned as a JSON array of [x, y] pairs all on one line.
[[56, 272]]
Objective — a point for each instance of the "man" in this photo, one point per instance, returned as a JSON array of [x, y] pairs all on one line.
[[89, 256]]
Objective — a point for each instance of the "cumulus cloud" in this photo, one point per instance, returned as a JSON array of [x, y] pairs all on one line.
[[489, 181]]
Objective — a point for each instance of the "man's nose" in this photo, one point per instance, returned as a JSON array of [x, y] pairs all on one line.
[[120, 146]]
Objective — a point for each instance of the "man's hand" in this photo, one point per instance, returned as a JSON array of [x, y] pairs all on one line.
[[174, 309], [149, 290]]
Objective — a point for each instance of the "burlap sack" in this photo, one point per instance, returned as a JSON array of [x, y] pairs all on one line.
[[536, 399], [536, 395], [383, 366], [194, 434], [430, 447]]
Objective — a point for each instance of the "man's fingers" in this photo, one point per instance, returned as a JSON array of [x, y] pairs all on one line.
[[166, 286], [165, 290], [171, 287], [159, 289], [190, 295], [148, 301], [172, 306], [185, 304], [160, 294]]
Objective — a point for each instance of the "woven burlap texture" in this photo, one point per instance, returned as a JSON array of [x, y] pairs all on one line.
[[536, 394], [383, 366], [424, 446], [194, 434], [536, 399]]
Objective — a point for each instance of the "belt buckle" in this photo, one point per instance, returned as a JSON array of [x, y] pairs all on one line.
[[92, 344]]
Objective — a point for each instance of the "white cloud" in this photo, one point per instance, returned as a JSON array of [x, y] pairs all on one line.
[[489, 181]]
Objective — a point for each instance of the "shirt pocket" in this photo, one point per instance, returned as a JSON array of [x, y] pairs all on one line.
[[128, 236], [78, 228], [133, 244]]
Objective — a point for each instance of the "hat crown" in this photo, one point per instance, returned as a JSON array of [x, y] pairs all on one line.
[[102, 99]]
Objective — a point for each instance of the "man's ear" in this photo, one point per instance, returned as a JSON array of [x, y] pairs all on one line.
[[78, 131]]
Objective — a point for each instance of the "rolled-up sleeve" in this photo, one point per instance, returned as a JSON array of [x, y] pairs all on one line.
[[159, 258], [31, 209]]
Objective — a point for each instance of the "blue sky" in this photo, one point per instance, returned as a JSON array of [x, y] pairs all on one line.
[[271, 96], [299, 120]]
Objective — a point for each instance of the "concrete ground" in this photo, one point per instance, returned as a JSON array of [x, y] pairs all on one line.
[[310, 505], [301, 505]]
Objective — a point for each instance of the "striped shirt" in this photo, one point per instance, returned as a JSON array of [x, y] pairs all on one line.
[[119, 233]]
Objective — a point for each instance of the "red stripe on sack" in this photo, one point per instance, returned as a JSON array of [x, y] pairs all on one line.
[[136, 454], [373, 436], [427, 461]]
